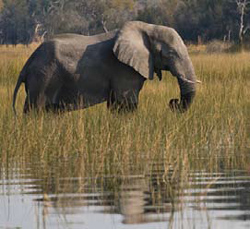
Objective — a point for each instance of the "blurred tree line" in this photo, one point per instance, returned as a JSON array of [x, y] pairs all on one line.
[[25, 21]]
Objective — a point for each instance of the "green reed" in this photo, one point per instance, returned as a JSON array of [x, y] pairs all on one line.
[[94, 142]]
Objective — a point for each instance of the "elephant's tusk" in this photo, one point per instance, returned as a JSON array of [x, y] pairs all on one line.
[[189, 81], [186, 80]]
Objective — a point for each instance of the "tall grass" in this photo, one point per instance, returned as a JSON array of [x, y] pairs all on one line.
[[212, 135]]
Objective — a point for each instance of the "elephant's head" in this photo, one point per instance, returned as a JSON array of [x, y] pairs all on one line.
[[151, 48]]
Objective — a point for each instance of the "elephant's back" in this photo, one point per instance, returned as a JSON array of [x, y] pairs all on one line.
[[71, 50], [74, 45], [72, 38]]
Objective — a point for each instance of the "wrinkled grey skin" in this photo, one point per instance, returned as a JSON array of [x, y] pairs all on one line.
[[72, 71]]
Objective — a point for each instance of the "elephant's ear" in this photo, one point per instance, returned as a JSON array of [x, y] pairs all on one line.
[[132, 48]]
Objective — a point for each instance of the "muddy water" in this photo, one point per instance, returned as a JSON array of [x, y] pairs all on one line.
[[205, 200]]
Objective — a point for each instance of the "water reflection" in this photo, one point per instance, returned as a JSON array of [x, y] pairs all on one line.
[[207, 200]]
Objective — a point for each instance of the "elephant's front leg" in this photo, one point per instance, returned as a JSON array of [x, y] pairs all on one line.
[[124, 93], [122, 102]]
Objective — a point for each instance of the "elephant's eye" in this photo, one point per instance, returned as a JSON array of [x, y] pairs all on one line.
[[164, 54], [168, 54], [171, 53]]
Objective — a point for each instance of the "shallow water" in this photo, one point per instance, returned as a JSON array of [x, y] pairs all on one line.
[[205, 200]]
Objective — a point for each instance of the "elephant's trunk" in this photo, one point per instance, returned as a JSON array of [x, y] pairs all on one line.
[[187, 89]]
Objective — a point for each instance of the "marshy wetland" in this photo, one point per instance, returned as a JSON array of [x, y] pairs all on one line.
[[149, 169]]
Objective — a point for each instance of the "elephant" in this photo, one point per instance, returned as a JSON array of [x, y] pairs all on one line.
[[72, 71]]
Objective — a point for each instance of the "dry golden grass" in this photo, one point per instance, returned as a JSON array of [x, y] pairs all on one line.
[[211, 136]]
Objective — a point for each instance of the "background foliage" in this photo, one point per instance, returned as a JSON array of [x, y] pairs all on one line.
[[24, 21]]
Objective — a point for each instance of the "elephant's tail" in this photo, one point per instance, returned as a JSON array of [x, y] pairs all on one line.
[[18, 84]]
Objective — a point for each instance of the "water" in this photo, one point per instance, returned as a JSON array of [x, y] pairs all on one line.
[[204, 200]]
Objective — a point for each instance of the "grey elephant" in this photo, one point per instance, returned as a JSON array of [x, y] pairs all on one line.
[[71, 71]]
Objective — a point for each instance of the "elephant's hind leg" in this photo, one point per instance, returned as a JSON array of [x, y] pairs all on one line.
[[26, 107], [35, 90], [36, 102]]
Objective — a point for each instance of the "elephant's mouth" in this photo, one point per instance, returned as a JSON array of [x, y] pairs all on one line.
[[158, 73]]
